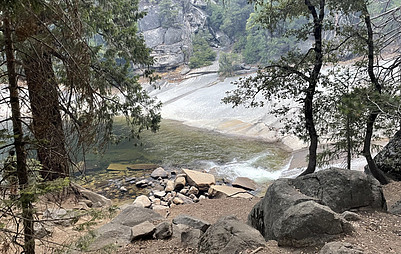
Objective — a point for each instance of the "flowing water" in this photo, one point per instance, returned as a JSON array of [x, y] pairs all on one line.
[[180, 146]]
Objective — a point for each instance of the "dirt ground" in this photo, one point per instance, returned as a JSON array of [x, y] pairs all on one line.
[[376, 233]]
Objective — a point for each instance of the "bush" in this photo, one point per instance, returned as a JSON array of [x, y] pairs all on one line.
[[202, 54]]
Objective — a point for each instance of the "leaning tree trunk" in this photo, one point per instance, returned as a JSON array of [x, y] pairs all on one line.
[[313, 80], [376, 172], [47, 123], [22, 172]]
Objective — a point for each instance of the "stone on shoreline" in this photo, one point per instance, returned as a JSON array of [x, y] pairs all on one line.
[[245, 183], [202, 181], [159, 172], [222, 191], [142, 201]]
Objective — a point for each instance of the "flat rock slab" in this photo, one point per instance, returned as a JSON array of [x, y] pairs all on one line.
[[221, 191], [245, 183], [192, 222], [144, 230], [201, 180]]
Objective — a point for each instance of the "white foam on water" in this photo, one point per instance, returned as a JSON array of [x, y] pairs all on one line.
[[235, 168]]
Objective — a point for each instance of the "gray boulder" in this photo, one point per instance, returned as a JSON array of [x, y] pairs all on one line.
[[229, 235], [388, 159], [111, 234], [159, 172], [191, 237], [338, 189], [192, 222], [308, 224], [163, 230], [340, 248], [121, 230], [132, 216], [342, 190]]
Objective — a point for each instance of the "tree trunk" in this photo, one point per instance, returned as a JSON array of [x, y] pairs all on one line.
[[22, 172], [47, 124], [308, 103], [376, 172]]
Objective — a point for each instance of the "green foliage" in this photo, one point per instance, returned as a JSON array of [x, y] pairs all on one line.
[[168, 13], [230, 17], [202, 54], [229, 63]]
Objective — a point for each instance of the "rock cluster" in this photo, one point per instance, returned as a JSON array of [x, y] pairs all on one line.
[[307, 210], [187, 187], [228, 235]]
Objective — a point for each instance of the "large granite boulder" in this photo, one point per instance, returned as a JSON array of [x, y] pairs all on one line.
[[309, 223], [336, 189], [229, 235], [388, 159]]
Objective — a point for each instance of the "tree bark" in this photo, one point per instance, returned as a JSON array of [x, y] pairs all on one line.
[[47, 123], [310, 92], [22, 172], [376, 172]]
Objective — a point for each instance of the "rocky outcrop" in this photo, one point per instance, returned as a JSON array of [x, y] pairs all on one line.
[[388, 159], [229, 235], [171, 41], [323, 194], [124, 227]]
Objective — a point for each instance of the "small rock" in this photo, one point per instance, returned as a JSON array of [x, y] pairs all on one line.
[[159, 194], [350, 216], [163, 230], [159, 172], [193, 190], [159, 207], [178, 201], [156, 201], [179, 182], [87, 202], [201, 197], [41, 230], [184, 198], [142, 201], [142, 183], [144, 230], [169, 186], [192, 196], [123, 189], [184, 191]]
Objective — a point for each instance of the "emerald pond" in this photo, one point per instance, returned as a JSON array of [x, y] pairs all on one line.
[[178, 146]]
